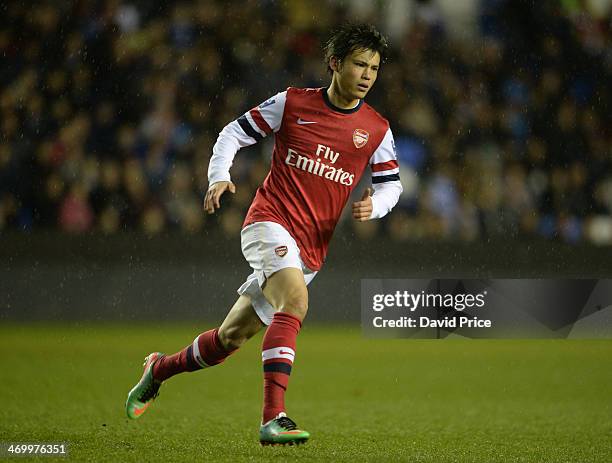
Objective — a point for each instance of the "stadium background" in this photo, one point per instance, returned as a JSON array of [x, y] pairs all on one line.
[[108, 112]]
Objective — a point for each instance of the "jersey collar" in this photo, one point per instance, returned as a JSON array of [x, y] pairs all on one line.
[[335, 108]]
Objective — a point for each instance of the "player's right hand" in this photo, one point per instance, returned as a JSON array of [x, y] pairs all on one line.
[[213, 195]]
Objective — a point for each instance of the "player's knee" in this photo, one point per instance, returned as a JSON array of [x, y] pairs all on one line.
[[232, 337], [296, 304]]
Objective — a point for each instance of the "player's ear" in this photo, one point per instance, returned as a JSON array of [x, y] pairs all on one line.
[[334, 64]]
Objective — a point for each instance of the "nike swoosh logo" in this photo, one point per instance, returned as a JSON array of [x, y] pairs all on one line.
[[301, 121], [140, 411], [282, 352]]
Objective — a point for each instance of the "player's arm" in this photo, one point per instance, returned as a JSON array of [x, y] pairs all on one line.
[[386, 183], [248, 129]]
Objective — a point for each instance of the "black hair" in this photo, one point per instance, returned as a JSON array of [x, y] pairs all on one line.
[[349, 37]]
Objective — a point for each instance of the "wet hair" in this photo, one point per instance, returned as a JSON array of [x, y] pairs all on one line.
[[349, 37]]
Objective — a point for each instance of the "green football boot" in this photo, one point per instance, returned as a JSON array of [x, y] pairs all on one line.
[[282, 431], [143, 394]]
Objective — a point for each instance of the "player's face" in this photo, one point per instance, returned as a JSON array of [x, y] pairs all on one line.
[[357, 73]]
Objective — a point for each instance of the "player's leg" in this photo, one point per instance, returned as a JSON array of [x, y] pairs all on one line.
[[240, 324], [286, 291], [277, 288], [208, 349], [213, 346]]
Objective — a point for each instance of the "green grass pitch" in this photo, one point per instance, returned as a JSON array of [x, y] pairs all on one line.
[[361, 399]]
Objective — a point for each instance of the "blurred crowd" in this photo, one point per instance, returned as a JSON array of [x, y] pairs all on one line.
[[109, 111]]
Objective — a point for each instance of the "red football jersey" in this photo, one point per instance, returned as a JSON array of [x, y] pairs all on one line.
[[320, 154]]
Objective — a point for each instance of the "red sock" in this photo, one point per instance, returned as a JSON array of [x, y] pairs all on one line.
[[205, 351], [278, 352]]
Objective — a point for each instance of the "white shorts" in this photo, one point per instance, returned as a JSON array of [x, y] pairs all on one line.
[[268, 248]]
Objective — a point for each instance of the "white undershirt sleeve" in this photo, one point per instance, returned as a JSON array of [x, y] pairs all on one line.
[[248, 129], [385, 197], [385, 177]]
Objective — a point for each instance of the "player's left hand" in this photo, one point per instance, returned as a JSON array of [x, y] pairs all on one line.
[[362, 210]]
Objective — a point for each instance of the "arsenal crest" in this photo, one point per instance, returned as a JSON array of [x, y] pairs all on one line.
[[281, 251], [360, 137]]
